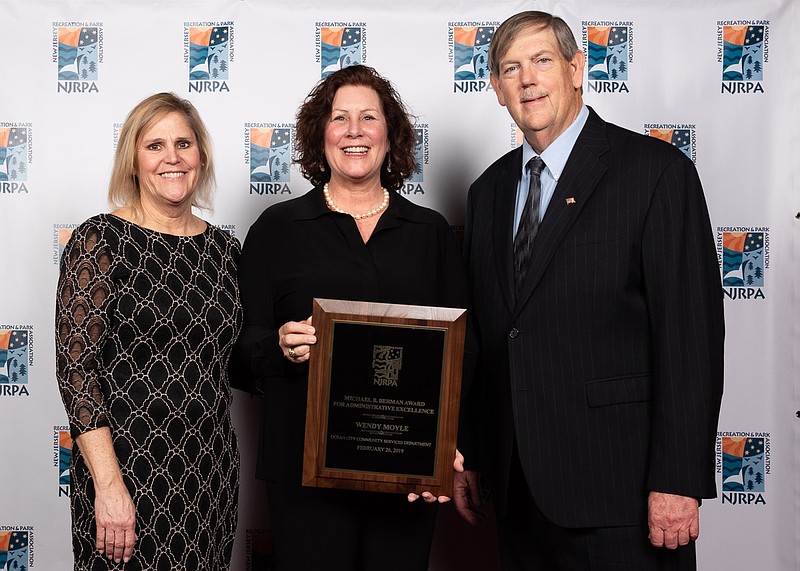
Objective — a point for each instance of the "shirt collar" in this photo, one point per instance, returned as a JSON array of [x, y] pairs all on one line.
[[310, 205], [556, 154]]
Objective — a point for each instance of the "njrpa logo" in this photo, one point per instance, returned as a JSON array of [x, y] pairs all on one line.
[[340, 45], [608, 47], [268, 152], [16, 359], [16, 547], [743, 50], [208, 51], [743, 254], [78, 53], [413, 184], [386, 364], [16, 153], [743, 462], [229, 228], [61, 235], [678, 135], [62, 454], [469, 53]]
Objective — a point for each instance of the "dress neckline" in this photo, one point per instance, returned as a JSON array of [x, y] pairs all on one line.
[[205, 231]]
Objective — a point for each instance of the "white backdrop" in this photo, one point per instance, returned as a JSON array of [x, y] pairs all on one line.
[[720, 79]]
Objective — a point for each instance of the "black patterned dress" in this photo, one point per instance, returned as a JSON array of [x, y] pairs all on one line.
[[145, 323]]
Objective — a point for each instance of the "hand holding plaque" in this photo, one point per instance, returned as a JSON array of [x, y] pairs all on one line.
[[383, 397]]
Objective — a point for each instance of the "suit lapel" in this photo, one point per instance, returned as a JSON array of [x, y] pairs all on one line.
[[505, 193], [580, 178]]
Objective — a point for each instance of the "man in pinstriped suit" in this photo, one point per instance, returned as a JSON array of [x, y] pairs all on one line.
[[602, 366]]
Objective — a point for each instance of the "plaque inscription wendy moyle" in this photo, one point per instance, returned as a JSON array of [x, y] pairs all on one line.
[[383, 397]]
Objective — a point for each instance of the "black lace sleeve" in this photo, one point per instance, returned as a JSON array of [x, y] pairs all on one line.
[[82, 321]]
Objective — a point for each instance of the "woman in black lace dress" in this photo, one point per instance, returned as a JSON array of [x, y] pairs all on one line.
[[147, 310]]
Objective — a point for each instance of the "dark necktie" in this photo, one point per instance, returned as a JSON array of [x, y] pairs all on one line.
[[528, 223]]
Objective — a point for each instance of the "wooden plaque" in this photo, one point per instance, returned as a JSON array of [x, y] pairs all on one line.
[[384, 389]]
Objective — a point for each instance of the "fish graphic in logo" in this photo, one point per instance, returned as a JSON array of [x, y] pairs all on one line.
[[208, 52], [471, 52], [13, 356], [13, 154], [14, 549], [743, 259], [742, 464], [608, 53], [270, 155], [340, 47], [77, 54], [743, 53]]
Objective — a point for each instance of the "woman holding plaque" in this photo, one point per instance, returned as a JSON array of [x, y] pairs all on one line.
[[351, 237]]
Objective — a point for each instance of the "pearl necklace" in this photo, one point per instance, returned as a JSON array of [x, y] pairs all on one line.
[[380, 208]]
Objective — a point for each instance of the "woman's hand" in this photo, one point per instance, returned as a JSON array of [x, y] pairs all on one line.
[[295, 339], [115, 515]]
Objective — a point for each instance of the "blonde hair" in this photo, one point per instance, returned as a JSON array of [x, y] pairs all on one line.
[[123, 188]]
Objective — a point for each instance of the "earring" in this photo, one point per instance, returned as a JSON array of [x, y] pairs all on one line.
[[389, 164], [322, 167]]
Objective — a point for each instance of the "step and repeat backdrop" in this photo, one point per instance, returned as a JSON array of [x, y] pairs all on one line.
[[719, 79]]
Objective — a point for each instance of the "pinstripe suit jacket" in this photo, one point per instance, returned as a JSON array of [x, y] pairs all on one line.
[[606, 368]]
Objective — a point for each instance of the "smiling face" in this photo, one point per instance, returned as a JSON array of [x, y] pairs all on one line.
[[168, 162], [356, 137], [538, 86]]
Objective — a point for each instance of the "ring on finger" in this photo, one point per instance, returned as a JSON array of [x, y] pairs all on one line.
[[292, 353]]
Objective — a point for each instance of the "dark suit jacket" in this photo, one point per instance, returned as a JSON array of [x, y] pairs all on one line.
[[606, 369]]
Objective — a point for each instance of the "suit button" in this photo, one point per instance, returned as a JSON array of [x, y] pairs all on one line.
[[514, 333]]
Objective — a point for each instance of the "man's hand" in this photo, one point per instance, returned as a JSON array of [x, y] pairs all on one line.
[[673, 520], [467, 492], [429, 498]]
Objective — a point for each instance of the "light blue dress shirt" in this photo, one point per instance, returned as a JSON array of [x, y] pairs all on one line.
[[555, 157]]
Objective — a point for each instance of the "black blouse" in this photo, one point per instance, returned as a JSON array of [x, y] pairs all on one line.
[[298, 250]]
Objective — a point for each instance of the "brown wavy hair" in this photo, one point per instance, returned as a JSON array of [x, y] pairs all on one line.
[[315, 114]]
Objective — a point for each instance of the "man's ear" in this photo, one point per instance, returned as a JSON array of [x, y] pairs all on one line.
[[577, 64], [501, 98]]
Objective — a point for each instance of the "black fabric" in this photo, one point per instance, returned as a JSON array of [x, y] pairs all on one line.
[[145, 323], [529, 541], [298, 250], [605, 369], [342, 530]]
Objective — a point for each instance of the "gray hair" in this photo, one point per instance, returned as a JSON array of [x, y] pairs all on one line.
[[508, 31]]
